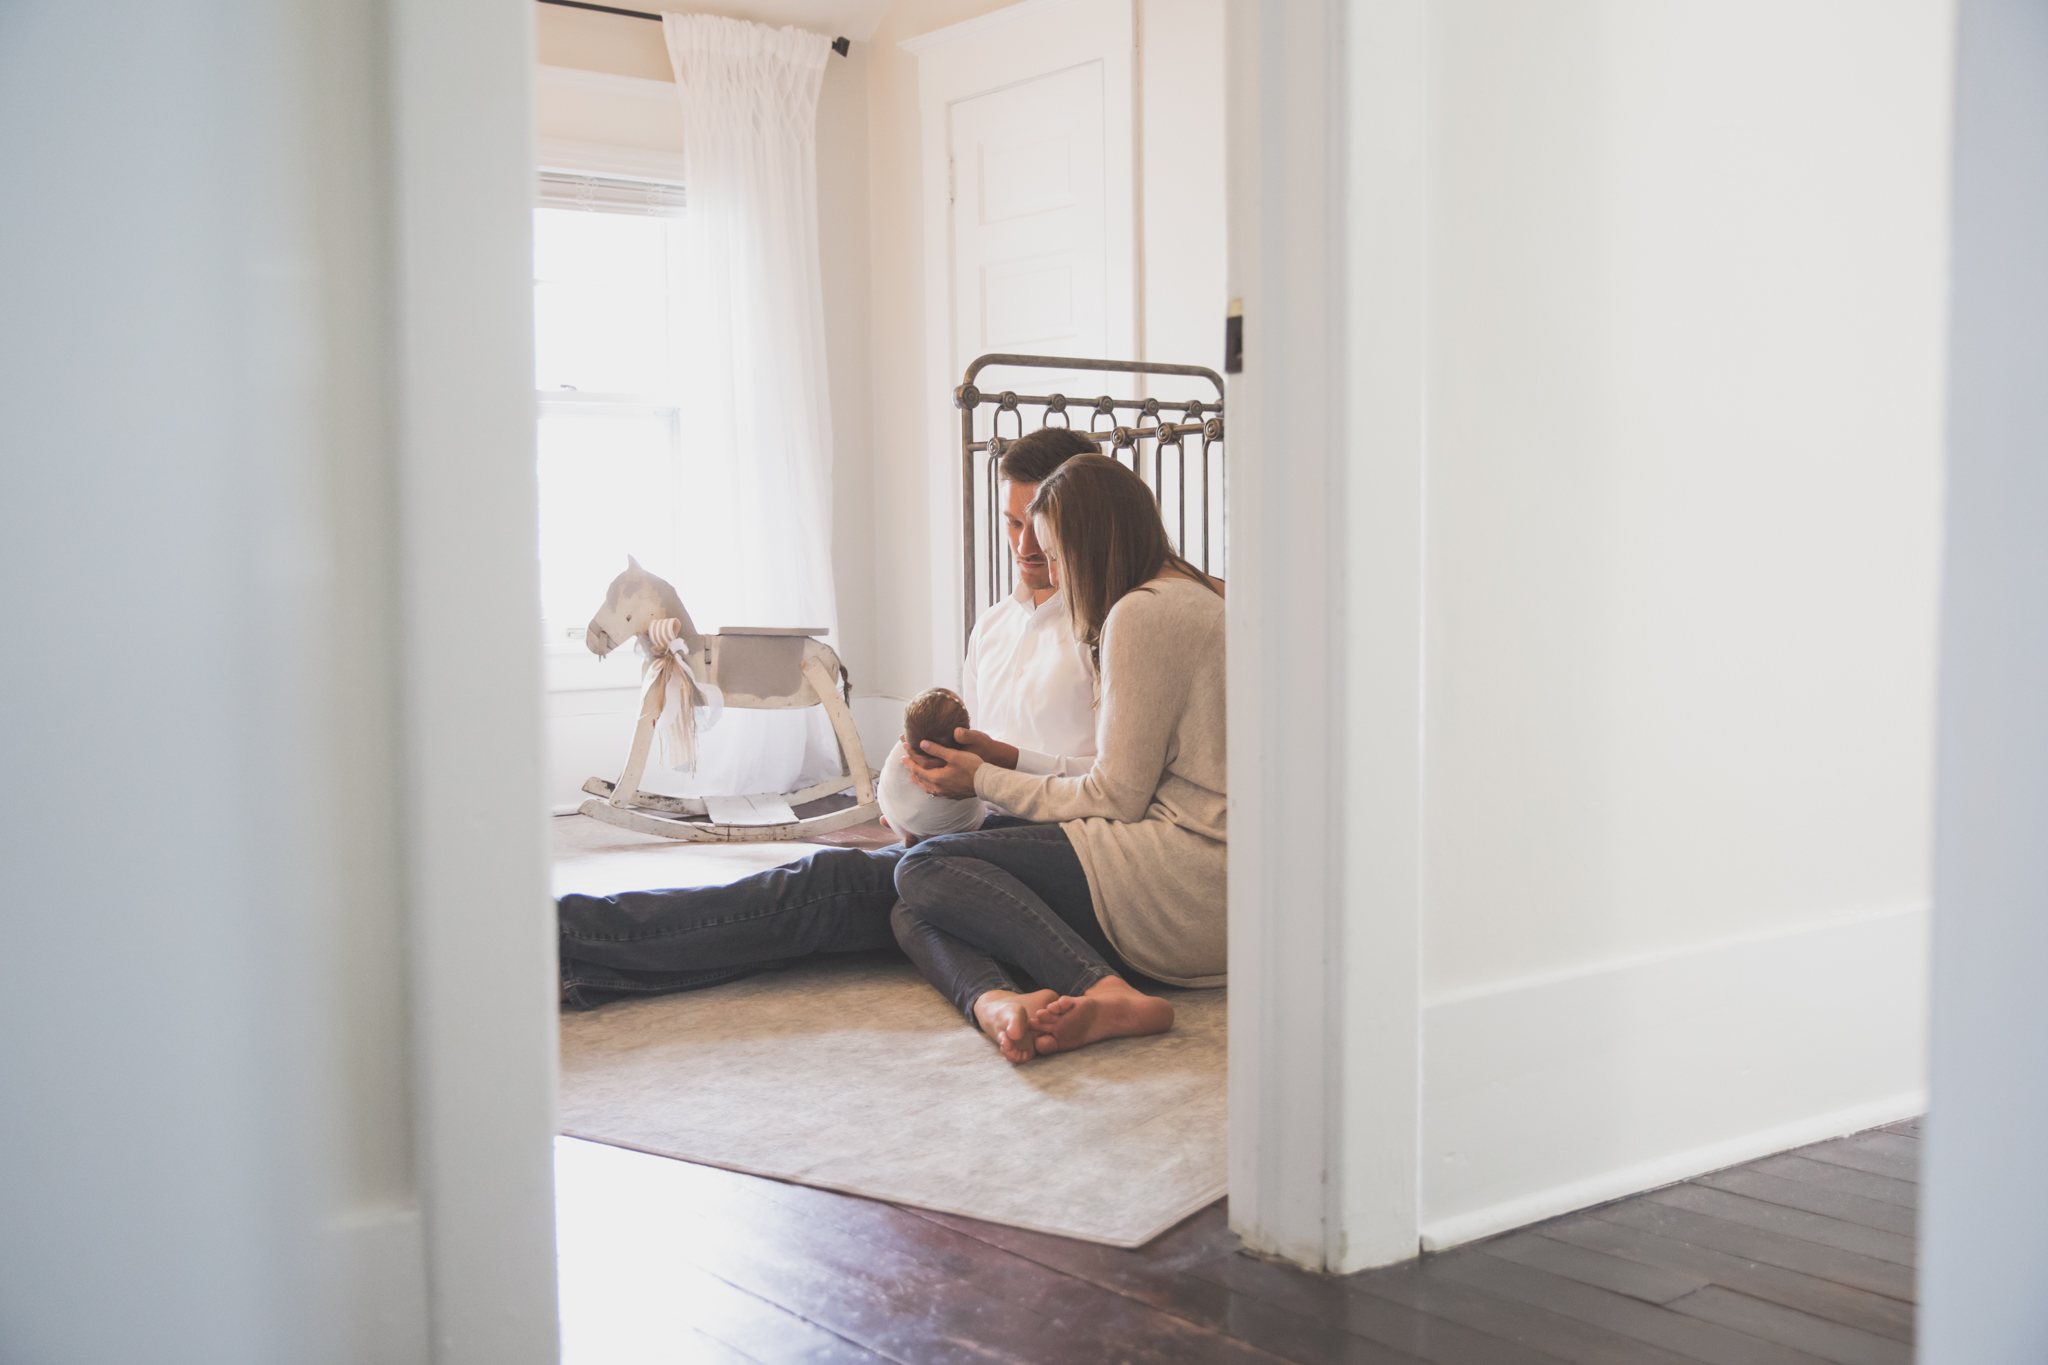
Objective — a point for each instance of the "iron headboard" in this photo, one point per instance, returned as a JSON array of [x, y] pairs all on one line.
[[1164, 422]]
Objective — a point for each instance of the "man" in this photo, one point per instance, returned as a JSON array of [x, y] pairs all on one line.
[[1025, 678]]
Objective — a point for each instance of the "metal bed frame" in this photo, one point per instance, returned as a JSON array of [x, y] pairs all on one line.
[[1164, 422]]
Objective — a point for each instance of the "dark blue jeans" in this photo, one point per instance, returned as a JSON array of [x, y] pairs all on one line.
[[837, 900], [979, 908]]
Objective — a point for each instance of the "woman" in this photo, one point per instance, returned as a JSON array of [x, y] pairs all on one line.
[[1130, 879]]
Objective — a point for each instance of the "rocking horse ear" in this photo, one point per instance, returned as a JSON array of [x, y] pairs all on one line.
[[634, 565]]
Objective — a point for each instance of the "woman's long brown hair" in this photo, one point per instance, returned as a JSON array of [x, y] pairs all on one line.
[[1109, 539]]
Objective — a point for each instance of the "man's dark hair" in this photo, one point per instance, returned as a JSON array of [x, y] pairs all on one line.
[[1030, 458]]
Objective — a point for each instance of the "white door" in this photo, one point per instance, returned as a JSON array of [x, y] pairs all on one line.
[[1029, 226], [1029, 210]]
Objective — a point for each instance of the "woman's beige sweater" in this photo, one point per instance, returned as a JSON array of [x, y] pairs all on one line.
[[1148, 819]]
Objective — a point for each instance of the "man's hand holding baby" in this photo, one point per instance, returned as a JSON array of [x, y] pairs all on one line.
[[985, 747], [954, 773]]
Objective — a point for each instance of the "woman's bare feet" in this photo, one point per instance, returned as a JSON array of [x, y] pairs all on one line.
[[1112, 1008], [1005, 1017]]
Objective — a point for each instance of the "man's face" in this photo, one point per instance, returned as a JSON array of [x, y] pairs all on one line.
[[1033, 570]]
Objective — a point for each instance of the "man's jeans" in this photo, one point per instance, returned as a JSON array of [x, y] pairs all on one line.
[[837, 900]]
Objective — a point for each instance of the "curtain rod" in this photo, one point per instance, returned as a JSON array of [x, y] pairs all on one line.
[[839, 45]]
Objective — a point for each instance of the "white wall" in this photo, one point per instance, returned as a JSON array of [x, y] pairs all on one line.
[[1685, 399], [1611, 333], [252, 1115], [1984, 1221]]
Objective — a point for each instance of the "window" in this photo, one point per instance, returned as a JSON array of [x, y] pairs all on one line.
[[604, 344]]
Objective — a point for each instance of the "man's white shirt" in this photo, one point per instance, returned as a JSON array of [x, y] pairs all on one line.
[[1028, 683]]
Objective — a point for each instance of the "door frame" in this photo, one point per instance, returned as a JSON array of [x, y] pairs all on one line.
[[1328, 196], [978, 57], [483, 1008]]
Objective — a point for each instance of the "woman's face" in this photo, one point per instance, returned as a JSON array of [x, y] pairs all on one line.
[[1042, 533]]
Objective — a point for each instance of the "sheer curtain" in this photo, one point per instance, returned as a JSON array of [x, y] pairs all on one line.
[[756, 542]]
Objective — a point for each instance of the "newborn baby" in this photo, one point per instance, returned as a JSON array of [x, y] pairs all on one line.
[[910, 810]]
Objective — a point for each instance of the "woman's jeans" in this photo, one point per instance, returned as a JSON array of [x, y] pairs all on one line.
[[972, 903]]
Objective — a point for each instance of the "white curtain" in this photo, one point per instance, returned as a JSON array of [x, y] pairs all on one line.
[[756, 416]]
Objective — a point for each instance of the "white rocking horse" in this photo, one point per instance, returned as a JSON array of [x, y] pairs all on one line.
[[771, 668]]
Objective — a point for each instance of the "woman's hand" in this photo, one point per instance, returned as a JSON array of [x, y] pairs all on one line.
[[954, 775], [986, 747]]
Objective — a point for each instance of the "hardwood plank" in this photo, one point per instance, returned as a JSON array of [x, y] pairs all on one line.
[[906, 1288], [1789, 1327], [1792, 1166], [1201, 1237], [1879, 1153], [698, 1349], [1539, 1329], [1328, 1301], [1821, 1298], [628, 1294], [1909, 1127], [1158, 1274], [1638, 1280], [750, 1327], [1738, 1239], [1849, 1208], [1799, 1258], [1813, 1227], [1692, 1338]]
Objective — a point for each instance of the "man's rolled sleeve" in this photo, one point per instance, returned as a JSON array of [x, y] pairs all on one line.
[[1050, 765]]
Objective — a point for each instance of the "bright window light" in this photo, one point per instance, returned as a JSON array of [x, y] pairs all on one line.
[[603, 363]]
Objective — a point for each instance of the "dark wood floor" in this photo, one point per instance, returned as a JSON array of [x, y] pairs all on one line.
[[1797, 1258]]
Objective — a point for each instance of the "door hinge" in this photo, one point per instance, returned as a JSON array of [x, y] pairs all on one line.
[[952, 184]]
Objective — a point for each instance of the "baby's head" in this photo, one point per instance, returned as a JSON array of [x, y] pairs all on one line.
[[933, 715]]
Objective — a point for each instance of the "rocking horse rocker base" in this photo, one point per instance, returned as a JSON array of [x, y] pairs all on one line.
[[744, 819], [755, 669], [746, 656]]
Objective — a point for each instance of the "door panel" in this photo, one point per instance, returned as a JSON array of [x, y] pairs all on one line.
[[1029, 225]]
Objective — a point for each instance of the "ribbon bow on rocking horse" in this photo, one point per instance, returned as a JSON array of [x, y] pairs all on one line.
[[673, 695]]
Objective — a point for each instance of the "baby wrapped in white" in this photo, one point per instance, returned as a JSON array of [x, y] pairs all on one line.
[[911, 811]]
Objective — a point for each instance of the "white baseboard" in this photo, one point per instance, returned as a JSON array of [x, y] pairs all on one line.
[[588, 734], [1667, 1170], [1546, 1096], [382, 1263]]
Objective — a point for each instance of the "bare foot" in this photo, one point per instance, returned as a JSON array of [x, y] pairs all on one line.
[[1112, 1008], [1005, 1017]]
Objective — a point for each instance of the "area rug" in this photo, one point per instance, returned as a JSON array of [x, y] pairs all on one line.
[[852, 1074]]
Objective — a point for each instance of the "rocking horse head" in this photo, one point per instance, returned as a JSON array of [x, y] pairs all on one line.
[[635, 601]]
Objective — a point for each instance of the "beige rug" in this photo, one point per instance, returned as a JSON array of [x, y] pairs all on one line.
[[852, 1074]]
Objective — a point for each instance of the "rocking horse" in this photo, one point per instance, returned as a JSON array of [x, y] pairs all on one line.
[[769, 668]]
